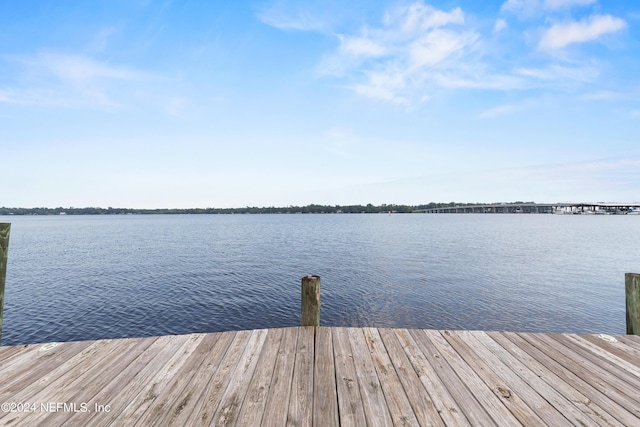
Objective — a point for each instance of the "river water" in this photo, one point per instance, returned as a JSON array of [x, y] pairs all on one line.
[[90, 277]]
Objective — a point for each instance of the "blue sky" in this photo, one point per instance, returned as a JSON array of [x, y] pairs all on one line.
[[151, 104]]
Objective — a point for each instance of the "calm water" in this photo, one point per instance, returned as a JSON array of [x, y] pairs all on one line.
[[76, 278]]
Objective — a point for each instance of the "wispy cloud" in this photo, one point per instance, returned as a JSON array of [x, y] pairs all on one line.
[[42, 97], [403, 55], [68, 80], [602, 95], [292, 18], [500, 25], [557, 4], [497, 111], [361, 46], [78, 69], [563, 34], [101, 40], [531, 8], [578, 74], [416, 49]]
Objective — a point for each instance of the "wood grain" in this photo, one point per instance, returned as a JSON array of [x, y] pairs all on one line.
[[319, 376]]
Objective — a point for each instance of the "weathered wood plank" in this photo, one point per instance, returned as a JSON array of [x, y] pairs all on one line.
[[37, 361], [489, 398], [254, 403], [129, 384], [9, 352], [510, 398], [83, 387], [423, 407], [577, 379], [515, 384], [233, 397], [583, 369], [27, 391], [330, 376], [59, 387], [373, 400], [208, 404], [564, 371], [157, 383], [174, 390], [456, 385], [325, 399], [633, 338], [630, 342], [547, 395], [277, 405], [191, 401], [300, 411], [486, 397], [349, 400], [628, 382], [571, 403], [618, 348], [606, 352], [446, 405], [399, 407]]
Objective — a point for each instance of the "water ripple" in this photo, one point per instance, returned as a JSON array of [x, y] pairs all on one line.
[[105, 277]]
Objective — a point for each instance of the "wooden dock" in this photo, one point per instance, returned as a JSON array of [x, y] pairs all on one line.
[[320, 376]]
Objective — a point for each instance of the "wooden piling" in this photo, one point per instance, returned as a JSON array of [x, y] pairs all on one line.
[[311, 301], [632, 292], [4, 249]]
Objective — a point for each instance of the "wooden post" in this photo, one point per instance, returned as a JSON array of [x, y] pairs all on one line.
[[4, 248], [632, 292], [311, 301]]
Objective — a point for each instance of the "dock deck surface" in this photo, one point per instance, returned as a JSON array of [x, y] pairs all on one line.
[[305, 376]]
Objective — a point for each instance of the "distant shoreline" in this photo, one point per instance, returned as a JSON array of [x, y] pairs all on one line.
[[369, 208]]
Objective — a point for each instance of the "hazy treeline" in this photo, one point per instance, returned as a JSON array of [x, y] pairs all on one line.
[[369, 208]]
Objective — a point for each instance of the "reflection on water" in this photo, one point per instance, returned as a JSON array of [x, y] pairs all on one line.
[[73, 278]]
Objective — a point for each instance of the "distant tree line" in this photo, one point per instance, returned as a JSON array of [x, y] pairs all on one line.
[[316, 209]]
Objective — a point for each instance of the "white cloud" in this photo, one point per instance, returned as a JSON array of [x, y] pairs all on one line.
[[79, 69], [529, 8], [558, 73], [292, 19], [563, 34], [418, 49], [557, 4], [361, 46], [494, 82], [65, 80], [419, 17], [37, 97], [397, 61], [437, 46], [388, 85], [500, 25], [497, 111], [523, 7]]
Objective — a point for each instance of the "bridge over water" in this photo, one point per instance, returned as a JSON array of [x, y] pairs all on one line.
[[564, 208]]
